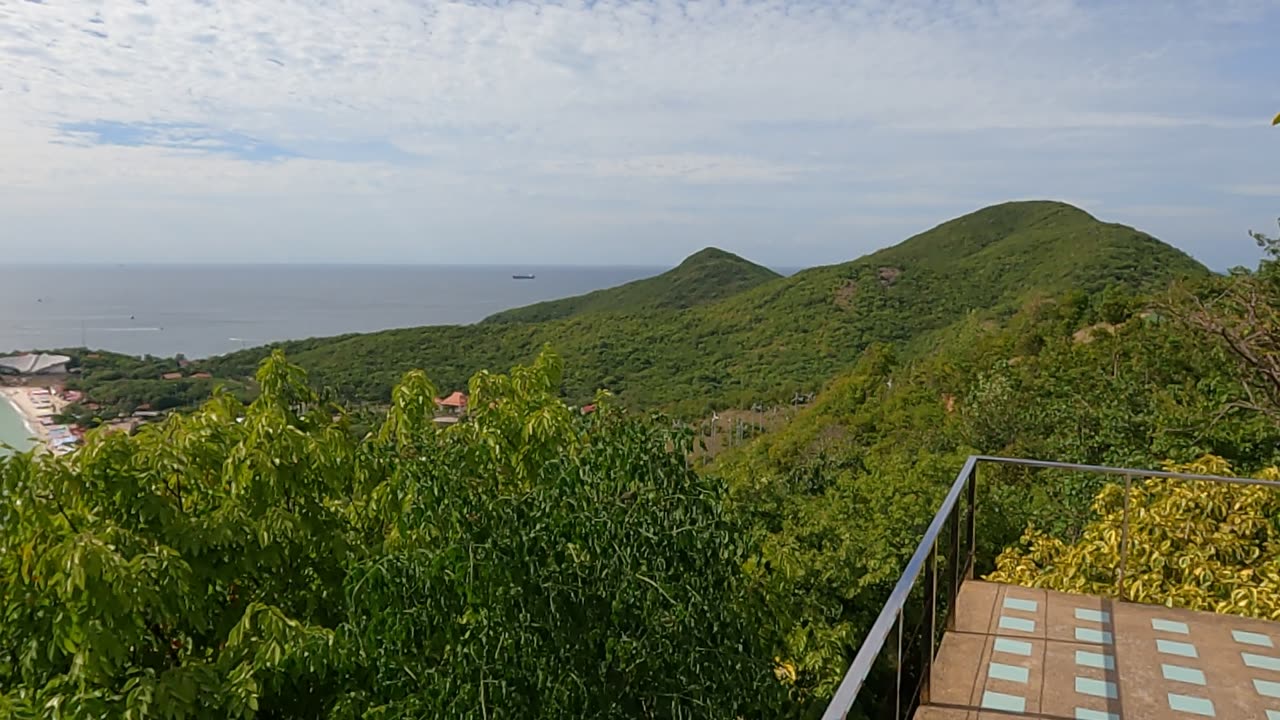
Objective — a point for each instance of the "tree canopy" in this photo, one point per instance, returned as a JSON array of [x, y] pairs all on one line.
[[260, 561]]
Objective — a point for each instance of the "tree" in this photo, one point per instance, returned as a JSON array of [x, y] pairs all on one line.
[[539, 563], [1241, 312], [264, 561], [1197, 545]]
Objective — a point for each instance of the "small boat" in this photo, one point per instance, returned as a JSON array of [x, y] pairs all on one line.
[[522, 277]]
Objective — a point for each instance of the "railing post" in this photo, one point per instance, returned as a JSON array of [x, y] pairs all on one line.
[[897, 696], [955, 568], [930, 622], [973, 524], [1124, 539]]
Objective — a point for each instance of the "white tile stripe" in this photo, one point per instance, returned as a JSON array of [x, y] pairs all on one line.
[[1009, 673], [1090, 635], [1000, 701], [1095, 660], [1017, 623], [1013, 647], [1097, 616], [1171, 626], [1096, 688], [1267, 687], [1191, 704], [1173, 647], [1262, 662], [1251, 638], [1087, 714], [1013, 603], [1183, 674]]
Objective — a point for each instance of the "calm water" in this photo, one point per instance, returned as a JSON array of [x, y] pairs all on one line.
[[208, 310], [12, 431]]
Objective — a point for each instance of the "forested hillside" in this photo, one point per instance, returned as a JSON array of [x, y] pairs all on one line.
[[706, 276], [785, 336], [271, 561]]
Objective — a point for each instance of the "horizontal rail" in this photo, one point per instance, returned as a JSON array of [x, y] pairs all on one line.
[[1103, 470], [874, 642]]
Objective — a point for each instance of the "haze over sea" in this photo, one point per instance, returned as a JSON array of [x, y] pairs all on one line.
[[208, 310]]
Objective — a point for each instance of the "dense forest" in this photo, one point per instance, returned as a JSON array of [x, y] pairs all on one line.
[[268, 559]]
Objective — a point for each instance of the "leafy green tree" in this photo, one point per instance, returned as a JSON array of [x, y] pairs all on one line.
[[265, 561], [541, 564]]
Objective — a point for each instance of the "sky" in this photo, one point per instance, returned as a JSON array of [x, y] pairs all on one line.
[[794, 133]]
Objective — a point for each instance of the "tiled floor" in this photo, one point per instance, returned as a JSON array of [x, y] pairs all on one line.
[[1019, 651]]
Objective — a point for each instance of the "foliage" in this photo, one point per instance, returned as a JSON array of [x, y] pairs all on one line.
[[120, 384], [781, 337], [1192, 544], [844, 491], [1241, 313], [706, 276], [263, 561], [536, 562]]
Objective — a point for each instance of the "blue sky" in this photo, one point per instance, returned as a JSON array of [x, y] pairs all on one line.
[[794, 133]]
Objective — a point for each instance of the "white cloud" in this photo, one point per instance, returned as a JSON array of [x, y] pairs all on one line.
[[687, 167], [1259, 190], [420, 117]]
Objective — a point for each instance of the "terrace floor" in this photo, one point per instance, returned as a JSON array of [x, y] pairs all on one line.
[[1034, 653]]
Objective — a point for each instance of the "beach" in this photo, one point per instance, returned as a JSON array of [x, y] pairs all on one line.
[[36, 406]]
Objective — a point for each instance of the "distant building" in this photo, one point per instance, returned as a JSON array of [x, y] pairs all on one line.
[[455, 404], [32, 364], [171, 376], [202, 375]]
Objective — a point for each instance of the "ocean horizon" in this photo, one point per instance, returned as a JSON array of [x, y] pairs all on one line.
[[204, 310]]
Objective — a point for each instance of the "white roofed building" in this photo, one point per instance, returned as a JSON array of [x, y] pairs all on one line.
[[33, 364]]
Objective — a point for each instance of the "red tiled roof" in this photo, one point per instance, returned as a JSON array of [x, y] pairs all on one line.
[[457, 399], [171, 376]]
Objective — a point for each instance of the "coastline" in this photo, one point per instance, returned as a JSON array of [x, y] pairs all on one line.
[[17, 410], [32, 404]]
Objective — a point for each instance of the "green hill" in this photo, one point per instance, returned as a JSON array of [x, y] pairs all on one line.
[[706, 276], [787, 335]]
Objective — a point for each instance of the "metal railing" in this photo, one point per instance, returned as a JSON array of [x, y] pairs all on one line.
[[899, 649]]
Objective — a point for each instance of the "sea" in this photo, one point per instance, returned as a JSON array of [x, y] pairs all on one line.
[[204, 310], [12, 430], [207, 310]]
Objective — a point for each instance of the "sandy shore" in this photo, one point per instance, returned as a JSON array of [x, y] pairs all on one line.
[[24, 400]]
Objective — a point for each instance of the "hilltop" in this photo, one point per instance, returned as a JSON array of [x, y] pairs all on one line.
[[786, 335], [706, 276]]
